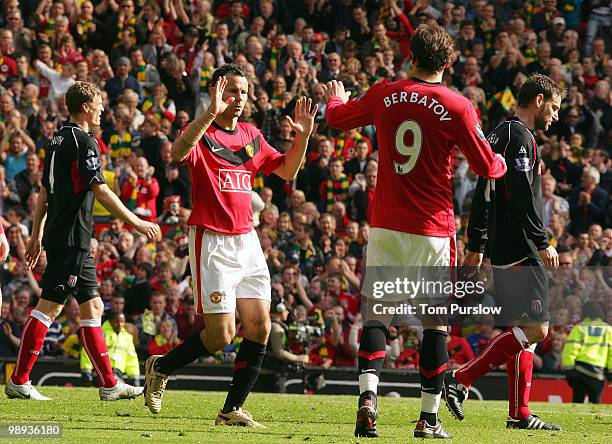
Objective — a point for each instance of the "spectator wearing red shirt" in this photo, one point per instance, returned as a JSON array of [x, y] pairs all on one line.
[[141, 190], [163, 278], [459, 351], [337, 332], [350, 303], [342, 219], [167, 339], [364, 197], [8, 66]]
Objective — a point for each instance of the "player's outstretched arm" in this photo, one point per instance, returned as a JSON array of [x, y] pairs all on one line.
[[189, 138], [38, 223], [302, 124], [476, 148], [113, 204], [345, 114]]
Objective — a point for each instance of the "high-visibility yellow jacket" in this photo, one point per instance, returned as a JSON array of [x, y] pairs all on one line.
[[588, 349], [121, 352]]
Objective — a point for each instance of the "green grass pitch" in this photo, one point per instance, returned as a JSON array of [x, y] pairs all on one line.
[[188, 417]]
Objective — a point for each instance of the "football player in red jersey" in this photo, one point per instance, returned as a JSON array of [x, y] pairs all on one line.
[[229, 270], [419, 123]]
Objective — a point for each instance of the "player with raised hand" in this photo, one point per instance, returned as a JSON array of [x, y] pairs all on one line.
[[228, 267], [63, 224], [419, 124], [506, 218]]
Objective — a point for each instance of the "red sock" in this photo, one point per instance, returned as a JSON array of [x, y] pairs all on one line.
[[520, 371], [499, 350], [32, 340], [92, 340]]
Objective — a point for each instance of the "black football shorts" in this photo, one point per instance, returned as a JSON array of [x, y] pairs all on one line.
[[61, 264], [522, 293]]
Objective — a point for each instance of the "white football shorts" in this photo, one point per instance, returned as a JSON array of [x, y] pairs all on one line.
[[394, 254], [225, 268]]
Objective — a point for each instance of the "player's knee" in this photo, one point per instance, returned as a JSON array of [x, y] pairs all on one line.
[[51, 310], [536, 333], [258, 330], [227, 337], [220, 337], [92, 308]]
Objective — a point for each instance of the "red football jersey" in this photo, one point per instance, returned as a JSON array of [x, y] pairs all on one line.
[[418, 126], [223, 165]]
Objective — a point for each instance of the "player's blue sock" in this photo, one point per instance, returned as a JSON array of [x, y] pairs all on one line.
[[432, 365], [190, 350], [246, 370]]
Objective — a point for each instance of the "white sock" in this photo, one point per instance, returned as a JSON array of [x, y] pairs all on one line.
[[430, 403], [368, 381]]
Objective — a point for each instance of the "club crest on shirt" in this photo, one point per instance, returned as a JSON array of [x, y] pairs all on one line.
[[249, 150], [235, 181], [216, 297]]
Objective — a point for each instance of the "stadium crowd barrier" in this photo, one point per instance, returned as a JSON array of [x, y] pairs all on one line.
[[339, 381]]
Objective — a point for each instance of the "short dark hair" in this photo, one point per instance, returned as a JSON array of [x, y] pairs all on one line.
[[147, 268], [432, 48], [225, 70], [592, 310], [115, 315], [80, 93], [538, 84]]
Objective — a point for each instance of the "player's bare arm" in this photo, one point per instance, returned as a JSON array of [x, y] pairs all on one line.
[[302, 124], [33, 246], [187, 141], [112, 203]]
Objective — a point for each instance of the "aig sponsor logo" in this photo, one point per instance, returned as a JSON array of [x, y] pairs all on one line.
[[235, 181]]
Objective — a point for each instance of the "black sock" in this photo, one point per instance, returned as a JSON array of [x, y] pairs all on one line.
[[432, 365], [246, 370], [372, 350], [431, 418], [190, 350]]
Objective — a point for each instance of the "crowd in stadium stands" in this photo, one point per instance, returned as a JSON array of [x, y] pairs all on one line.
[[154, 60]]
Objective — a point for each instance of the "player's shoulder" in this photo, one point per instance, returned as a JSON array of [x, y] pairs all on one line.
[[518, 131], [380, 86], [72, 132], [454, 100]]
